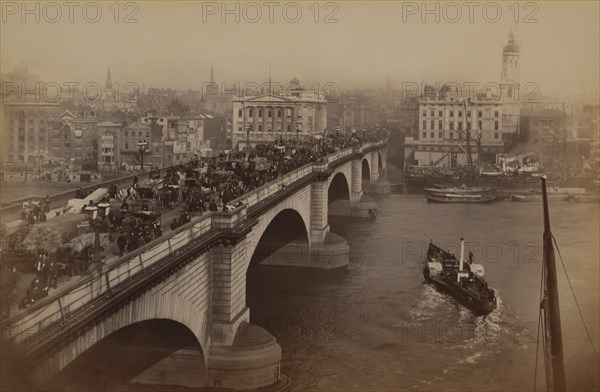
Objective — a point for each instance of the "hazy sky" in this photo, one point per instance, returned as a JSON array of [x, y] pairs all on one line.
[[172, 46]]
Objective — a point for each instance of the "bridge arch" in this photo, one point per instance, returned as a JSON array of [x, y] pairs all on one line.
[[286, 226], [366, 170], [173, 299], [141, 352], [339, 188]]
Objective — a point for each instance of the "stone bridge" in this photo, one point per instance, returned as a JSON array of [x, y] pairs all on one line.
[[196, 277]]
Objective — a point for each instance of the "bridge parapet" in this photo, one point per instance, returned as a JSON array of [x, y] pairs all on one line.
[[66, 301], [216, 236]]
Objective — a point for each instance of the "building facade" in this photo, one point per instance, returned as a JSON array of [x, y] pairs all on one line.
[[443, 126], [24, 133], [265, 118]]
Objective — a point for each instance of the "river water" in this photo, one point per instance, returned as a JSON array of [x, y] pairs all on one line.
[[375, 326], [378, 327]]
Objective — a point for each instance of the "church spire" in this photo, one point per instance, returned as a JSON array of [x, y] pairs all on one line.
[[108, 80], [212, 74]]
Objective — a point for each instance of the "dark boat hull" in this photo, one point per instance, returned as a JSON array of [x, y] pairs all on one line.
[[462, 296], [444, 199], [442, 270]]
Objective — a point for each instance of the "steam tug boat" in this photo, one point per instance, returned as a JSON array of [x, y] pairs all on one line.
[[464, 281]]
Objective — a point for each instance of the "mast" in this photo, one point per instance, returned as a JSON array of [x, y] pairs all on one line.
[[565, 159], [555, 368], [469, 156]]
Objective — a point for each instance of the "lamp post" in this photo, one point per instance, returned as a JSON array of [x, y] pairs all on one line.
[[96, 215], [142, 149], [248, 129], [297, 133], [91, 213]]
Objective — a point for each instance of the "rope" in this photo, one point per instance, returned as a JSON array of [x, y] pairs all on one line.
[[575, 298]]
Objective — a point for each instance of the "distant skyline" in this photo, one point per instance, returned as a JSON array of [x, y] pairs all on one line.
[[171, 47]]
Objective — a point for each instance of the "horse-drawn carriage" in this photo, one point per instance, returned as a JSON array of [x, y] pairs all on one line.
[[170, 195]]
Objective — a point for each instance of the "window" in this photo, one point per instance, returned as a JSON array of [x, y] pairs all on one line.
[[496, 114], [299, 113], [279, 113], [289, 127], [451, 113], [424, 113], [260, 112], [424, 135], [424, 124], [239, 128], [479, 124], [440, 135], [440, 125], [460, 113], [127, 145], [451, 135], [480, 113], [432, 135], [432, 124], [270, 114], [495, 135], [460, 125], [496, 125], [440, 113], [469, 114], [432, 113], [240, 113], [452, 126], [250, 112]]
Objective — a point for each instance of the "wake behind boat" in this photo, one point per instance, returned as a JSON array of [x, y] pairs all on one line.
[[463, 281]]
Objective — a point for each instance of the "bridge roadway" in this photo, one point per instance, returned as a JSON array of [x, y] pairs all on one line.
[[196, 276]]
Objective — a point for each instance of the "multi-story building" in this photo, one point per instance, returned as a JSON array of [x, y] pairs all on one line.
[[443, 126], [356, 111], [265, 118], [24, 133], [109, 147]]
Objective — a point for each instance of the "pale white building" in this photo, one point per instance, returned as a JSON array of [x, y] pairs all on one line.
[[295, 113], [443, 126]]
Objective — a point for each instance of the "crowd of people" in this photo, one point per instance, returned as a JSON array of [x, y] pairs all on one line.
[[196, 186], [220, 180], [35, 211]]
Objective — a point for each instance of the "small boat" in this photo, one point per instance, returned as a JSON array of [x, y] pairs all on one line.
[[583, 198], [462, 279], [453, 198], [464, 190], [561, 191], [525, 197]]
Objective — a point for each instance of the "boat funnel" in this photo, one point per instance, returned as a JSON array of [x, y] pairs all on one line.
[[462, 254]]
